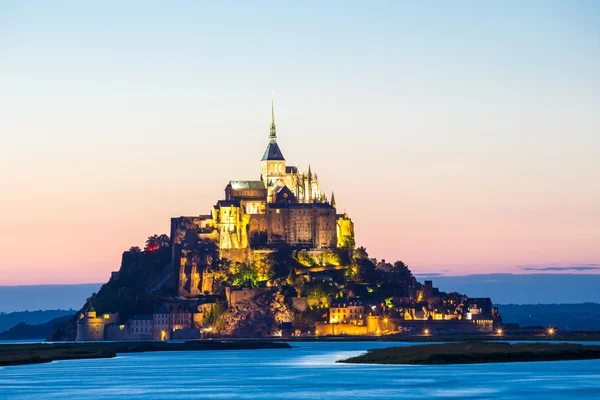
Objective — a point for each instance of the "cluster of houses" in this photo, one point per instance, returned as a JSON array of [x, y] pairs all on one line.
[[175, 319], [425, 310], [352, 316]]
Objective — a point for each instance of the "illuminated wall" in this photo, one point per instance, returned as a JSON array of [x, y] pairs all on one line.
[[345, 231], [232, 223]]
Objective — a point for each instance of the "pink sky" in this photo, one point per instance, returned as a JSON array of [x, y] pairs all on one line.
[[70, 214], [461, 142]]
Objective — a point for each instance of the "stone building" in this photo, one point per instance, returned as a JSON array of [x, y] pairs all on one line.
[[347, 311], [91, 327], [140, 327], [284, 208], [175, 319], [171, 317]]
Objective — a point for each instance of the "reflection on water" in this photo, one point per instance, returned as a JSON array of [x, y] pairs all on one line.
[[308, 371]]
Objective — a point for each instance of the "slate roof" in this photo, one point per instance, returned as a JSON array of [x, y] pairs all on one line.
[[171, 307], [227, 203], [273, 152], [162, 310], [139, 317]]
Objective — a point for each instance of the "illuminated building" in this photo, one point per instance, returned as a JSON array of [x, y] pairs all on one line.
[[351, 311], [170, 317], [285, 207], [91, 326]]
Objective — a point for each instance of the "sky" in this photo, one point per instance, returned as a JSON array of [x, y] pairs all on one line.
[[461, 137]]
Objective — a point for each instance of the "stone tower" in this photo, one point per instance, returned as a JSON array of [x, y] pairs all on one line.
[[272, 165]]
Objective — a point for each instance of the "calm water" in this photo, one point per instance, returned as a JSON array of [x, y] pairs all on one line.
[[308, 371]]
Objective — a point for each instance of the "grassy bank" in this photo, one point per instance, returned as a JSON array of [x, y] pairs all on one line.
[[476, 353], [18, 354]]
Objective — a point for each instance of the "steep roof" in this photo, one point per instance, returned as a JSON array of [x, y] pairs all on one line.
[[273, 152], [228, 203], [247, 185], [162, 310], [142, 317]]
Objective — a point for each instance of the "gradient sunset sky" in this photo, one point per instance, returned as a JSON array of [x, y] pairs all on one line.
[[461, 137]]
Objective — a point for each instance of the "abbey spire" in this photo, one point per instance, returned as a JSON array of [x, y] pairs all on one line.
[[273, 152], [272, 130]]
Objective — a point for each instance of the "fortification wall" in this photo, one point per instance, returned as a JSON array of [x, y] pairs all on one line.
[[236, 295], [324, 329]]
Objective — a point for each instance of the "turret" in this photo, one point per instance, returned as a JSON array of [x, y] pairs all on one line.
[[91, 311]]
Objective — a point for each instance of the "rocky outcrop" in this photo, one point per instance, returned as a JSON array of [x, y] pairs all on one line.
[[259, 316], [145, 280]]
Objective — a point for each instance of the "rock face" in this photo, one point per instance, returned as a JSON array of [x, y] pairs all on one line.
[[145, 280], [259, 316]]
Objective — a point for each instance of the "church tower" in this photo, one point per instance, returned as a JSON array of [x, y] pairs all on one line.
[[272, 165]]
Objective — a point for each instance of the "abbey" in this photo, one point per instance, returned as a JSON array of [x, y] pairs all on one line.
[[284, 208]]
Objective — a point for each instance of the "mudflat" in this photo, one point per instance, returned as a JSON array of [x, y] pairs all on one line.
[[477, 353], [19, 354]]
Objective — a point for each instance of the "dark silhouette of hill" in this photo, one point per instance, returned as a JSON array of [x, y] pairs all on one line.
[[26, 331], [8, 320], [575, 317], [144, 281]]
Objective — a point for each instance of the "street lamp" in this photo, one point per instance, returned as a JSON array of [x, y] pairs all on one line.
[[499, 331], [426, 331], [550, 331]]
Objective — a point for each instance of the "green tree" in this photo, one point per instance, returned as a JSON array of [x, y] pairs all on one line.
[[306, 259], [330, 258], [364, 270], [215, 317], [319, 289], [243, 274], [361, 253], [348, 242], [155, 242], [402, 269]]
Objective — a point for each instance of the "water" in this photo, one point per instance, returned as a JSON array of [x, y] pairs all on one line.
[[308, 371]]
